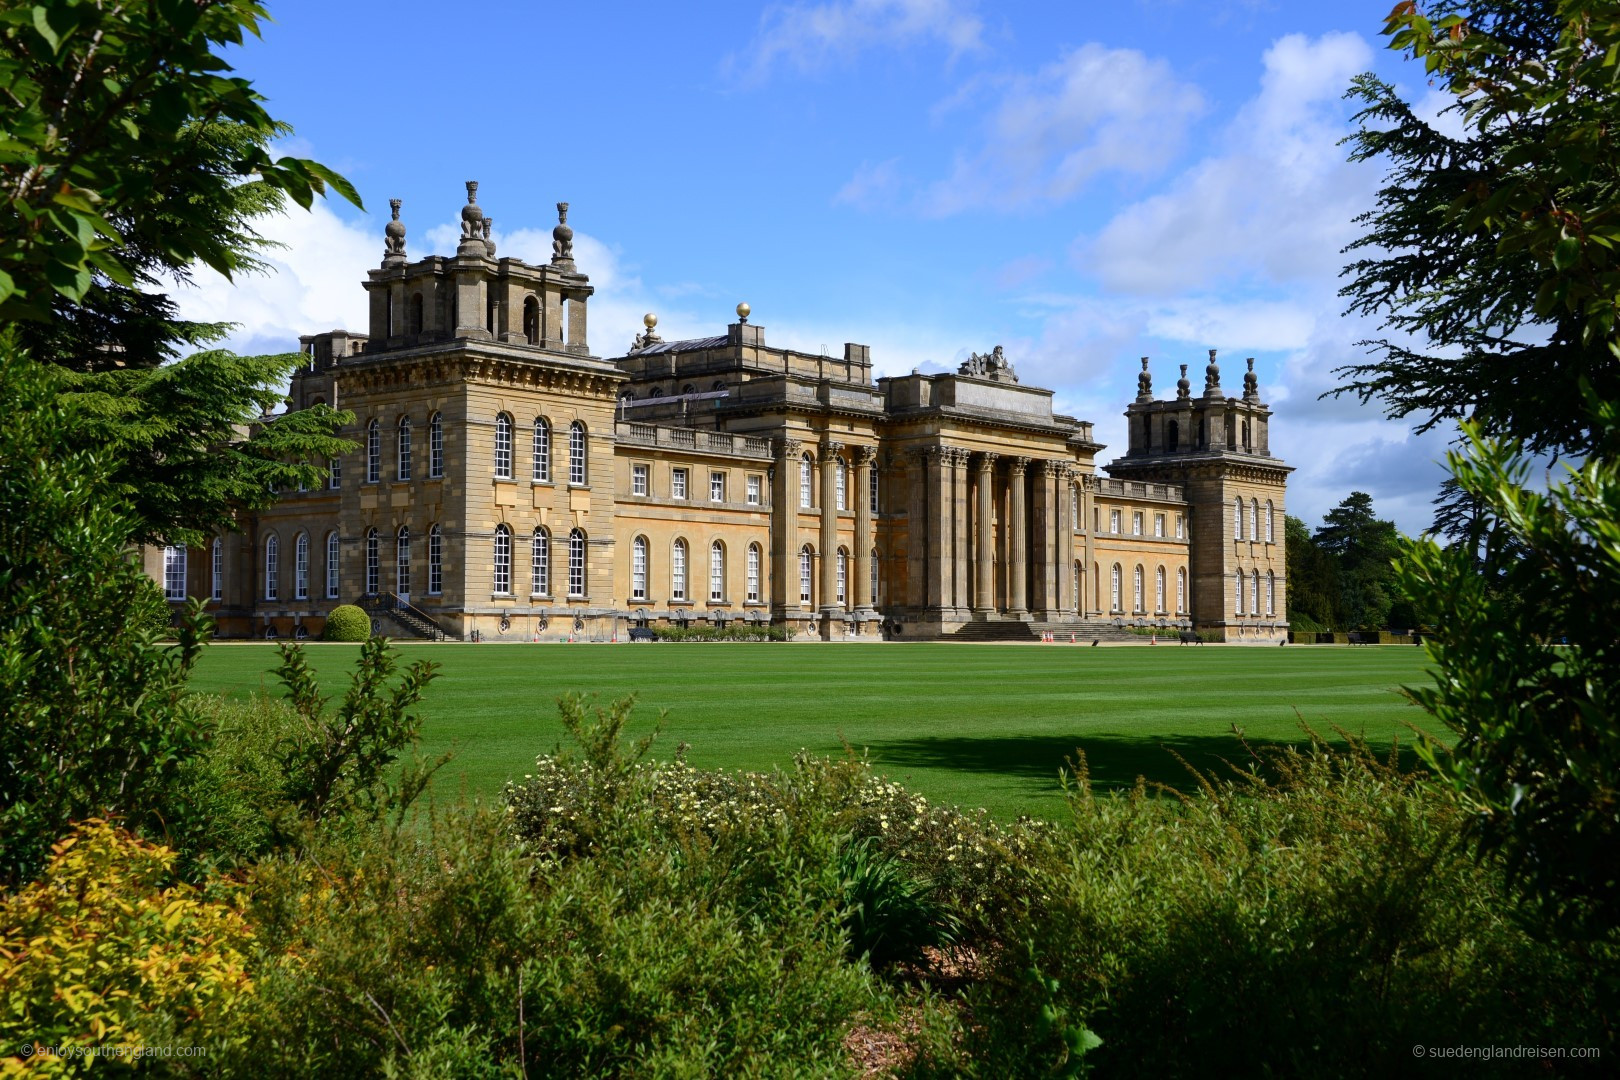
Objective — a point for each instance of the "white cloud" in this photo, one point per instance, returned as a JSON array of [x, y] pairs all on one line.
[[871, 186], [806, 37]]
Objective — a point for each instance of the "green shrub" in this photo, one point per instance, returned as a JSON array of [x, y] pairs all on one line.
[[735, 632], [891, 914], [150, 611], [347, 623]]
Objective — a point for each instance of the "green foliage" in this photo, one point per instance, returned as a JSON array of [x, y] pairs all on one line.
[[1537, 758], [347, 623], [97, 720], [1496, 250], [152, 615], [1313, 578], [734, 632], [1363, 549], [890, 914]]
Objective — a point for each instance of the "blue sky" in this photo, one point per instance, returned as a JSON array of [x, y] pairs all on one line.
[[1084, 184]]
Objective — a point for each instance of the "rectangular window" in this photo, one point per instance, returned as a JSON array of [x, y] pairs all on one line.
[[753, 574], [334, 474], [804, 576], [638, 479], [717, 487], [638, 570], [436, 447], [754, 487], [373, 453], [174, 573], [872, 484], [435, 562], [1136, 523], [1178, 526], [1113, 522], [219, 570], [677, 483], [576, 565], [717, 572], [1158, 525], [301, 568], [405, 450], [332, 566], [677, 571]]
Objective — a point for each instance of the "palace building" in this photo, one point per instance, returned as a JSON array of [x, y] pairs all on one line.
[[508, 484]]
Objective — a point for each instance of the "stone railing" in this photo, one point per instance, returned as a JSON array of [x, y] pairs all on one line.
[[678, 438], [1131, 489]]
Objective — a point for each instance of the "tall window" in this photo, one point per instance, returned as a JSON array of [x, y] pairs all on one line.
[[217, 570], [301, 567], [1254, 519], [1136, 588], [805, 575], [841, 568], [677, 571], [332, 550], [1237, 519], [840, 483], [402, 561], [1240, 592], [717, 487], [638, 568], [503, 560], [753, 573], [1158, 525], [1270, 518], [872, 493], [1179, 526], [874, 575], [638, 479], [753, 490], [576, 563], [1113, 522], [542, 450], [1254, 592], [1271, 593], [1116, 589], [806, 484], [373, 453], [1181, 591], [576, 453], [677, 483], [435, 560], [1136, 523], [272, 567], [373, 563], [436, 446], [540, 563], [1079, 581], [334, 473], [174, 572], [404, 446], [503, 447], [1158, 589], [717, 571]]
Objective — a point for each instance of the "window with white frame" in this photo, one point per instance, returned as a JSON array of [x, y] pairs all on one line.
[[1158, 590], [301, 567], [1237, 518], [503, 447], [402, 446], [1240, 592], [373, 453], [717, 487], [436, 446], [1079, 583], [540, 562], [874, 575], [576, 454], [540, 467], [1254, 592], [402, 561], [638, 568], [1113, 522], [1136, 523], [1136, 588], [501, 579], [677, 570], [678, 482], [872, 491], [754, 486], [217, 570], [717, 571], [1254, 519], [638, 479], [840, 484], [1271, 515], [753, 573], [272, 567], [174, 573], [435, 560], [334, 473], [576, 563], [1271, 593], [1179, 527], [1181, 591], [841, 572], [1158, 525], [1116, 588], [806, 482], [806, 558], [373, 563]]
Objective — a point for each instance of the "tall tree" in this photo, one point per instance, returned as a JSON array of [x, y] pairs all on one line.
[[1313, 578], [1364, 549]]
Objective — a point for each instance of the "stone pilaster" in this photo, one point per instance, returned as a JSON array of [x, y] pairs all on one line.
[[829, 528], [984, 590], [783, 587], [864, 457], [957, 463], [938, 481], [1069, 582], [1017, 539], [917, 530]]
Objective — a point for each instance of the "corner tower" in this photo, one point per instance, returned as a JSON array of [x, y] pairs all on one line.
[[1218, 449]]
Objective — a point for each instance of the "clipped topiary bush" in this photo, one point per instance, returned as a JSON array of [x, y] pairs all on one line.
[[347, 623]]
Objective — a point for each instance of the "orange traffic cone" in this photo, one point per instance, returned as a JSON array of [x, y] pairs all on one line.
[[1153, 639], [1071, 639]]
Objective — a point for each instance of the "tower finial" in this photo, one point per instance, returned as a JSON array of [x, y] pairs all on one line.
[[1251, 383], [1144, 383], [1183, 387], [472, 224], [562, 238], [394, 237], [1212, 378]]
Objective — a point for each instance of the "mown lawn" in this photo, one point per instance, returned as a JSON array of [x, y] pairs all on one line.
[[976, 725]]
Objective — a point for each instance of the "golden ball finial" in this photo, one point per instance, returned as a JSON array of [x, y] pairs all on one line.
[[649, 320], [742, 311]]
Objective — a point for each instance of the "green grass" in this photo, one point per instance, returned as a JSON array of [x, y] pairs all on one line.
[[975, 725]]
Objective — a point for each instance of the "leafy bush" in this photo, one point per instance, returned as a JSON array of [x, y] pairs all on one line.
[[891, 915], [735, 632], [151, 614], [100, 953], [347, 623]]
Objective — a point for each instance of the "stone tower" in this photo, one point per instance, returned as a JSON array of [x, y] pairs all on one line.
[[1218, 449]]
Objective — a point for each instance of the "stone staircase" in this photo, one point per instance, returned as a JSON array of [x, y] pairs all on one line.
[[410, 622], [1085, 631]]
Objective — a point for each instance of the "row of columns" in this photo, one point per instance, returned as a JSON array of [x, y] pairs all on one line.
[[785, 527]]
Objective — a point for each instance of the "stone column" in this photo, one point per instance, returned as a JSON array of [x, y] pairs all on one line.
[[939, 527], [1069, 584], [829, 527], [1017, 544], [782, 589], [917, 530], [1041, 602], [864, 456], [958, 551], [984, 586]]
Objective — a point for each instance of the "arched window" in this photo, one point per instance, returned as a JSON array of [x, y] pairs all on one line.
[[806, 576], [1254, 592], [333, 549], [373, 453], [1181, 591], [373, 563], [542, 450], [272, 567], [1271, 515], [1271, 593], [435, 560], [402, 561], [531, 321], [403, 441], [436, 446], [841, 572], [841, 483], [806, 483], [217, 569], [1254, 519], [1240, 592], [1079, 583], [1237, 518], [540, 562], [717, 571], [638, 568], [1158, 590], [174, 572], [677, 570], [1136, 588], [576, 563], [1116, 590], [503, 561], [688, 389], [503, 447], [301, 567], [414, 315], [576, 453], [753, 573]]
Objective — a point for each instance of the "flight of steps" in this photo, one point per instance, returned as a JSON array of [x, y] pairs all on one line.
[[1085, 631], [409, 623]]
